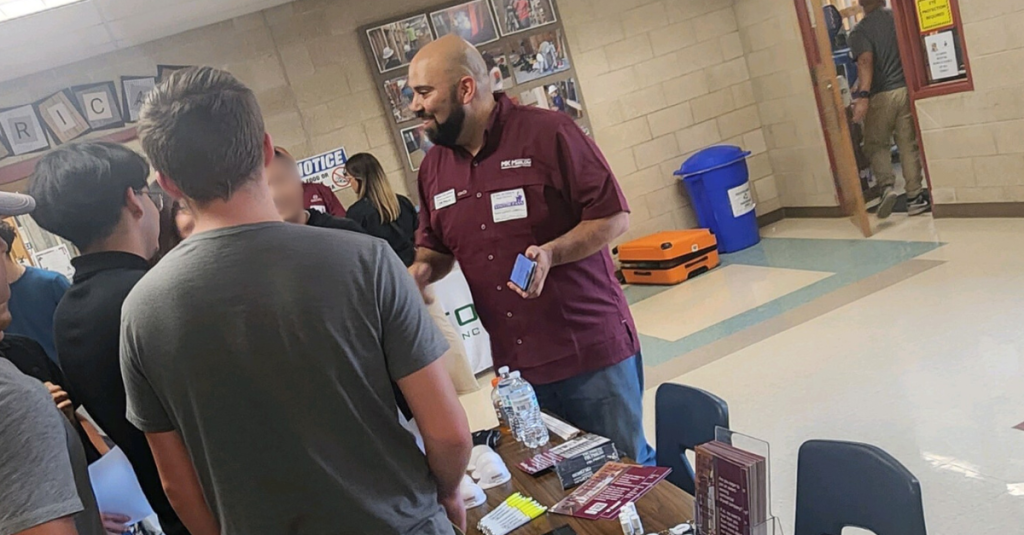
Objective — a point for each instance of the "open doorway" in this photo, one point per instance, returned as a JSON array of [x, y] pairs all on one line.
[[916, 52]]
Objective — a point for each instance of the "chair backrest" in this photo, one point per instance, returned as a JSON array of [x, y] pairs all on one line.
[[685, 417], [842, 484]]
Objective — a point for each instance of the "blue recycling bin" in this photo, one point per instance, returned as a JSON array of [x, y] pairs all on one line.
[[719, 184]]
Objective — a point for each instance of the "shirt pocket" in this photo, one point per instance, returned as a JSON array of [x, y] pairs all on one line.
[[505, 215]]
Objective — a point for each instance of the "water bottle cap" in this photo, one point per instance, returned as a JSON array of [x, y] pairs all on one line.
[[503, 370], [515, 374], [495, 381]]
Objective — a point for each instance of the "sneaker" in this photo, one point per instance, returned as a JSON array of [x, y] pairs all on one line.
[[889, 199], [920, 204]]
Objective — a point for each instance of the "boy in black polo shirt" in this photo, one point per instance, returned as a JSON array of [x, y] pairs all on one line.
[[96, 196]]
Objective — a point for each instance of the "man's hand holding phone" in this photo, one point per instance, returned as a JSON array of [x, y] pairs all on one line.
[[541, 259]]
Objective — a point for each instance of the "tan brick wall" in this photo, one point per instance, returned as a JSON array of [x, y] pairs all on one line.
[[784, 96], [975, 141], [664, 79], [661, 79]]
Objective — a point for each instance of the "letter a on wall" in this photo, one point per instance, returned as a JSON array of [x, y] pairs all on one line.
[[23, 130]]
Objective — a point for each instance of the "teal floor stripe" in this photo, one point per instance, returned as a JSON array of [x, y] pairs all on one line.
[[850, 260]]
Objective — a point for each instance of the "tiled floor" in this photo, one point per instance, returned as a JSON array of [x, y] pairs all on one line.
[[912, 341]]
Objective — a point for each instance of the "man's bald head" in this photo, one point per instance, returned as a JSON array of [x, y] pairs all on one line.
[[449, 60], [452, 91]]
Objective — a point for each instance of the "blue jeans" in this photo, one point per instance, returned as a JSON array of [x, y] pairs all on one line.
[[607, 402]]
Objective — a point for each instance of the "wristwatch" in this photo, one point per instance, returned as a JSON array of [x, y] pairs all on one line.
[[861, 94]]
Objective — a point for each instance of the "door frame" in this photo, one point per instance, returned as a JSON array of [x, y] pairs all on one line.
[[814, 55], [846, 174]]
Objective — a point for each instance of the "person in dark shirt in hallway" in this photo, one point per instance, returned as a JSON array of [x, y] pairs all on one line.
[[286, 187], [96, 196], [882, 103]]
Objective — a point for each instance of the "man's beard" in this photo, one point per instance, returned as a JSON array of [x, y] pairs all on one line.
[[447, 133]]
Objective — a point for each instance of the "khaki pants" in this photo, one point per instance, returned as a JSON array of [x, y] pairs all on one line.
[[456, 361], [890, 117]]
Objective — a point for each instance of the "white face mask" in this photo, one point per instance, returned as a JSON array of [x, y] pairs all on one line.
[[491, 471]]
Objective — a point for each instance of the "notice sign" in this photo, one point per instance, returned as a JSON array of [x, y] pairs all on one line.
[[327, 169], [942, 56], [934, 14], [742, 200]]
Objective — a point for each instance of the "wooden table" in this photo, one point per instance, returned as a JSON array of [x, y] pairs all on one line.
[[664, 507]]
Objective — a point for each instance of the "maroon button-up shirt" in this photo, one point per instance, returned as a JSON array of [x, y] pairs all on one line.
[[537, 177]]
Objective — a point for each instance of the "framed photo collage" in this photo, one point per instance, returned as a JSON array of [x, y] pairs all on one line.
[[522, 42]]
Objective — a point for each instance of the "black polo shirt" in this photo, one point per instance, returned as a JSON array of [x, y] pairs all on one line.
[[322, 220], [400, 234], [87, 331]]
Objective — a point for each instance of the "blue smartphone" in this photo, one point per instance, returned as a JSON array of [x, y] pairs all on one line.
[[522, 272]]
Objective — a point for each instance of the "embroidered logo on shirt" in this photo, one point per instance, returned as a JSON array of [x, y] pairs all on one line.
[[516, 164], [315, 198]]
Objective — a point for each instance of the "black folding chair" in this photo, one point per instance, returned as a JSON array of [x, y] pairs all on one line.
[[841, 484], [685, 417]]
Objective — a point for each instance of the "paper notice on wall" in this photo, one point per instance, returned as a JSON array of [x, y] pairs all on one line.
[[742, 200], [327, 169], [942, 56], [934, 14], [56, 259]]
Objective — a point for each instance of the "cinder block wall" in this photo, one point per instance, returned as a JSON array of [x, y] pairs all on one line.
[[661, 79], [786, 104], [975, 141]]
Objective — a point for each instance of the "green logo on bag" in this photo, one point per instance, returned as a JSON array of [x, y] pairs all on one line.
[[465, 318]]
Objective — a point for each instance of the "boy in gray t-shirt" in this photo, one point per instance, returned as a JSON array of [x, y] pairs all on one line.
[[43, 473], [258, 355]]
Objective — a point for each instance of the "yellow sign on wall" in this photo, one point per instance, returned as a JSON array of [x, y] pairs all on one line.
[[934, 14]]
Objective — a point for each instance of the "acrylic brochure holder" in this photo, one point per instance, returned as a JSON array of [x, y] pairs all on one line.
[[758, 447]]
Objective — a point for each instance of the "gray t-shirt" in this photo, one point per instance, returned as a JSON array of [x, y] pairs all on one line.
[[43, 473], [271, 348], [876, 33]]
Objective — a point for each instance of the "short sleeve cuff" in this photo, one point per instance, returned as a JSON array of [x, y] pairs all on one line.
[[31, 519], [149, 426], [604, 210], [430, 241], [430, 354]]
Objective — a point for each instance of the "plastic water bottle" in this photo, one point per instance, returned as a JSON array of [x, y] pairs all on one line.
[[515, 423], [498, 402], [526, 422], [500, 398]]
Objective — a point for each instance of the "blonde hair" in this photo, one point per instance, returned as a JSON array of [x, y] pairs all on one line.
[[376, 188]]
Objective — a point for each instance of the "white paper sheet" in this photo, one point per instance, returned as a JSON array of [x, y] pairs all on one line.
[[116, 488]]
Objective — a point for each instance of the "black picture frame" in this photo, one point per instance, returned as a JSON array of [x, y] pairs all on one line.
[[163, 71], [128, 104], [5, 151], [102, 113], [42, 130]]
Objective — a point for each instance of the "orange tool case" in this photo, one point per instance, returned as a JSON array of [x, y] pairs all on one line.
[[669, 257]]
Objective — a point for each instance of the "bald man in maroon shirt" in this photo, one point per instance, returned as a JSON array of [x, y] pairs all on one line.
[[504, 180]]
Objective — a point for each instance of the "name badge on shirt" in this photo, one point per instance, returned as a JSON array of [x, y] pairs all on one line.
[[508, 205], [444, 200]]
